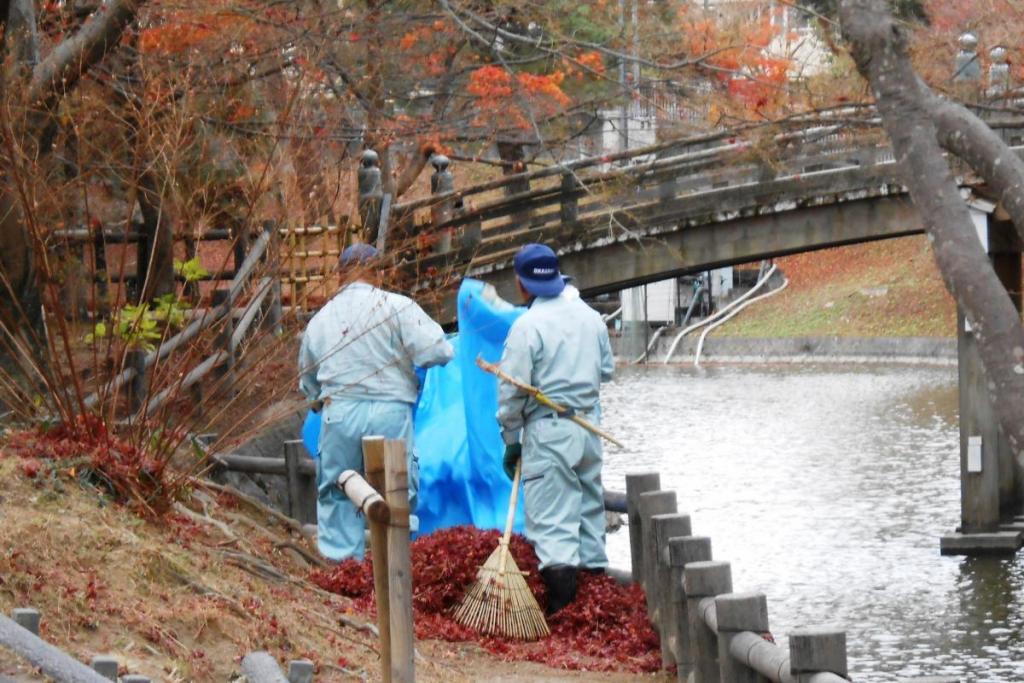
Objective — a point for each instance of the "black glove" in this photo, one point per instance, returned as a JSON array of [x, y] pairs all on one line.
[[513, 452]]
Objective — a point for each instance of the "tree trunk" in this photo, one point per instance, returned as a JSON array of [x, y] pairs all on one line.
[[156, 248], [21, 299], [879, 47]]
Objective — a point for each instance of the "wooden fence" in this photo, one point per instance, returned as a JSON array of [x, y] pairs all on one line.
[[265, 302], [299, 471], [707, 630]]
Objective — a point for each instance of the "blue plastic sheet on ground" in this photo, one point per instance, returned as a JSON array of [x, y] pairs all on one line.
[[457, 437]]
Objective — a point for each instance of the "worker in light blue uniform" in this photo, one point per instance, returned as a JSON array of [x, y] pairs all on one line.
[[559, 345], [357, 361]]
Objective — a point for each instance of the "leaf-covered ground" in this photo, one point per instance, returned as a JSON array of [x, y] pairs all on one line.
[[889, 288], [185, 598]]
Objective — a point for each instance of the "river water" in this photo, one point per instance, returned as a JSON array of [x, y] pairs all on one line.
[[827, 488]]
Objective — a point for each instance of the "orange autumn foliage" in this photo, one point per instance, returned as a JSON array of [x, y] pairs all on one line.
[[592, 61], [501, 95], [181, 31]]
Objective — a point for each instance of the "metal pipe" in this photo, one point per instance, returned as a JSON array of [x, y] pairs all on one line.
[[712, 318], [700, 343], [650, 344], [612, 316]]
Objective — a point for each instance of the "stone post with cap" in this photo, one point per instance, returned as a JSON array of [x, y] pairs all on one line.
[[371, 193], [998, 72], [441, 182], [967, 68]]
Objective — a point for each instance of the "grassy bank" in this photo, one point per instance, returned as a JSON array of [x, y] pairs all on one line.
[[890, 288]]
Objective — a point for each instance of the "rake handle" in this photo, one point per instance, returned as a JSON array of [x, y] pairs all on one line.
[[539, 396], [510, 518]]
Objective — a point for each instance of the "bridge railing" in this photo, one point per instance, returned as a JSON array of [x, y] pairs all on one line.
[[587, 201], [707, 630], [695, 164]]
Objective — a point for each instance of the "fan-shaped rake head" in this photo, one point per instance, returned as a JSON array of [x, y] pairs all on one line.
[[500, 602]]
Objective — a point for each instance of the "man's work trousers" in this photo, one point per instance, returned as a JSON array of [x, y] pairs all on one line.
[[562, 492], [340, 526]]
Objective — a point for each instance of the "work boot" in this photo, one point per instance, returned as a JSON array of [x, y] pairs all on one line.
[[560, 580]]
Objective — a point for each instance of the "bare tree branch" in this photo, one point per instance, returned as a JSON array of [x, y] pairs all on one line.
[[63, 67], [968, 137], [879, 47]]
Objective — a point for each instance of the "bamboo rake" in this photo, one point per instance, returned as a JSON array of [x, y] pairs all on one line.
[[500, 602]]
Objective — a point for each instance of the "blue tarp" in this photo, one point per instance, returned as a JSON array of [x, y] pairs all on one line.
[[457, 437]]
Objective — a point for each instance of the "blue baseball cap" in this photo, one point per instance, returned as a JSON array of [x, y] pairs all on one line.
[[537, 268], [357, 254]]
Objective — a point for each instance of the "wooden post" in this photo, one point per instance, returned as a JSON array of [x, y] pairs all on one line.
[[99, 264], [681, 552], [703, 580], [223, 297], [191, 290], [240, 246], [441, 182], [28, 618], [272, 258], [297, 267], [133, 290], [385, 221], [301, 486], [637, 483], [816, 650], [569, 211], [136, 359], [736, 613], [1005, 248], [988, 471], [665, 527], [300, 671], [396, 486], [373, 466], [652, 503], [105, 666]]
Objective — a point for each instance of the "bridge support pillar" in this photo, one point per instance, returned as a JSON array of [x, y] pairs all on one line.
[[990, 477]]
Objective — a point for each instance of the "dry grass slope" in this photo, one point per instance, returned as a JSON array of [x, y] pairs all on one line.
[[890, 288]]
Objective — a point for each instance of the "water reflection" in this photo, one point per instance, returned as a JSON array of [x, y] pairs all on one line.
[[828, 489]]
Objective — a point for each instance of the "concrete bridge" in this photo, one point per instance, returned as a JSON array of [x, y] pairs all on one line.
[[692, 206]]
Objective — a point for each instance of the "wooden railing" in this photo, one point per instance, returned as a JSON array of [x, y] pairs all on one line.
[[266, 297], [707, 630]]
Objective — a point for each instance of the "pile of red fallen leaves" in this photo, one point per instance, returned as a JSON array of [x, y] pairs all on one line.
[[604, 629], [129, 473]]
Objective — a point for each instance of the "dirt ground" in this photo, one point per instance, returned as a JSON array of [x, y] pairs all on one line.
[[184, 599]]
